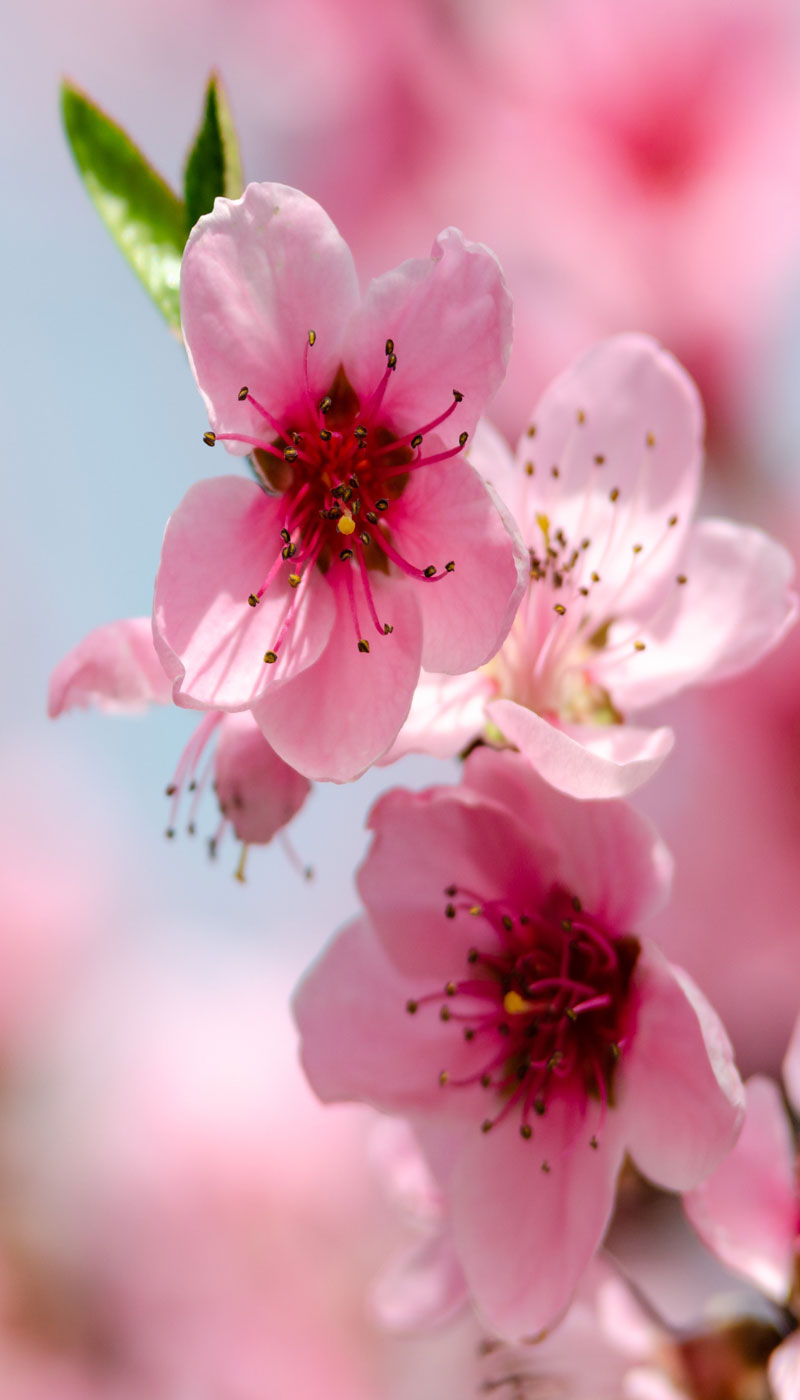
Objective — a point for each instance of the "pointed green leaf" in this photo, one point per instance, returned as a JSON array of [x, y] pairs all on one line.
[[214, 165], [144, 216]]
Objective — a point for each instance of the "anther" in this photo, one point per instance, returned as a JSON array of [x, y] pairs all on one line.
[[532, 430], [450, 989], [462, 438], [285, 536], [566, 924], [372, 517], [673, 520], [639, 646], [360, 431], [353, 481], [243, 392], [469, 1033], [459, 398], [444, 1013], [170, 833], [412, 1007], [345, 555], [576, 904], [637, 548], [473, 955], [486, 1125], [650, 440], [392, 361], [209, 439], [325, 434], [289, 551], [171, 790], [507, 922], [390, 347], [365, 538], [450, 566], [294, 580], [430, 571], [449, 909], [595, 577], [312, 336], [581, 416], [290, 454], [417, 440], [451, 891], [593, 1141], [560, 609], [613, 494], [326, 404], [539, 1106], [443, 1077], [599, 459], [681, 579], [387, 628], [270, 657], [526, 1131], [382, 504], [554, 472], [253, 601], [546, 1168], [363, 646], [529, 468]]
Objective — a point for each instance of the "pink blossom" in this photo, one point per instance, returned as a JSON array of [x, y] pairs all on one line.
[[117, 668], [367, 538], [628, 601], [748, 1211], [496, 983]]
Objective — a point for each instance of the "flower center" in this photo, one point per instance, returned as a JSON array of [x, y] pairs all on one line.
[[545, 1008], [340, 470]]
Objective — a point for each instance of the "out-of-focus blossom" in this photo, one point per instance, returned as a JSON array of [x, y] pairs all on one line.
[[628, 601], [366, 521], [116, 667], [498, 996]]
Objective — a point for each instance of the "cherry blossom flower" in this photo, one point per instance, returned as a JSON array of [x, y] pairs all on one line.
[[117, 668], [498, 995], [367, 537], [628, 601]]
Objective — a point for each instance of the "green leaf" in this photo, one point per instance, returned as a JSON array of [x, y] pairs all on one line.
[[214, 165], [143, 215]]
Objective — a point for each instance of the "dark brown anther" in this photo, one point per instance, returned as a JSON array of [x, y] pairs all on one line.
[[486, 1125], [171, 790], [681, 579], [451, 891], [270, 657], [387, 628], [450, 989], [673, 520], [526, 1131], [253, 600], [353, 481], [372, 517], [363, 646], [529, 468], [560, 609], [365, 538], [345, 555], [430, 571], [392, 361], [289, 551], [191, 829], [599, 459], [290, 454], [576, 904], [337, 492], [449, 910], [382, 504], [473, 955], [450, 566], [242, 394], [209, 439], [444, 1013], [170, 833], [462, 439], [389, 347], [326, 404], [507, 922], [593, 1141], [360, 431], [412, 1007], [325, 434], [285, 536], [459, 398], [417, 440], [546, 1168], [443, 1077], [469, 1033], [613, 494]]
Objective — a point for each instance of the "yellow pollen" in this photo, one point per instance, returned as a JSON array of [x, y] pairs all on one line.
[[346, 525], [514, 1004]]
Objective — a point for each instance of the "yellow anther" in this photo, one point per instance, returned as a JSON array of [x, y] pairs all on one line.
[[514, 1004], [543, 521], [346, 525]]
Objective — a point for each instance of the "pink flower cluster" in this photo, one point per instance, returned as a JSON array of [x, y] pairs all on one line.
[[391, 577]]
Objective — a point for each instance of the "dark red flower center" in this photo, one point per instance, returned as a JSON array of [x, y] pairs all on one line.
[[340, 470], [547, 1010]]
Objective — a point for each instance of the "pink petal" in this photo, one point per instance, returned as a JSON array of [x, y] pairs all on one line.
[[631, 404], [257, 275], [341, 714], [681, 1095], [358, 1040], [583, 760], [491, 456], [256, 790], [783, 1369], [746, 1212], [447, 513], [591, 841], [525, 1235], [791, 1068], [116, 668], [218, 547], [438, 838], [447, 712], [422, 1287], [735, 606], [450, 319]]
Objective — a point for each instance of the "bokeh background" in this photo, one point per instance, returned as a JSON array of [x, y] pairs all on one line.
[[635, 167]]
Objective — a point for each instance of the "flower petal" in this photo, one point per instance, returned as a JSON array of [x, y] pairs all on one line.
[[591, 841], [449, 316], [358, 1040], [440, 838], [791, 1068], [616, 453], [681, 1095], [597, 761], [116, 668], [528, 1216], [735, 606], [257, 275], [783, 1369], [448, 514], [342, 713], [746, 1211], [218, 546], [256, 790], [422, 1287], [490, 455], [447, 712]]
